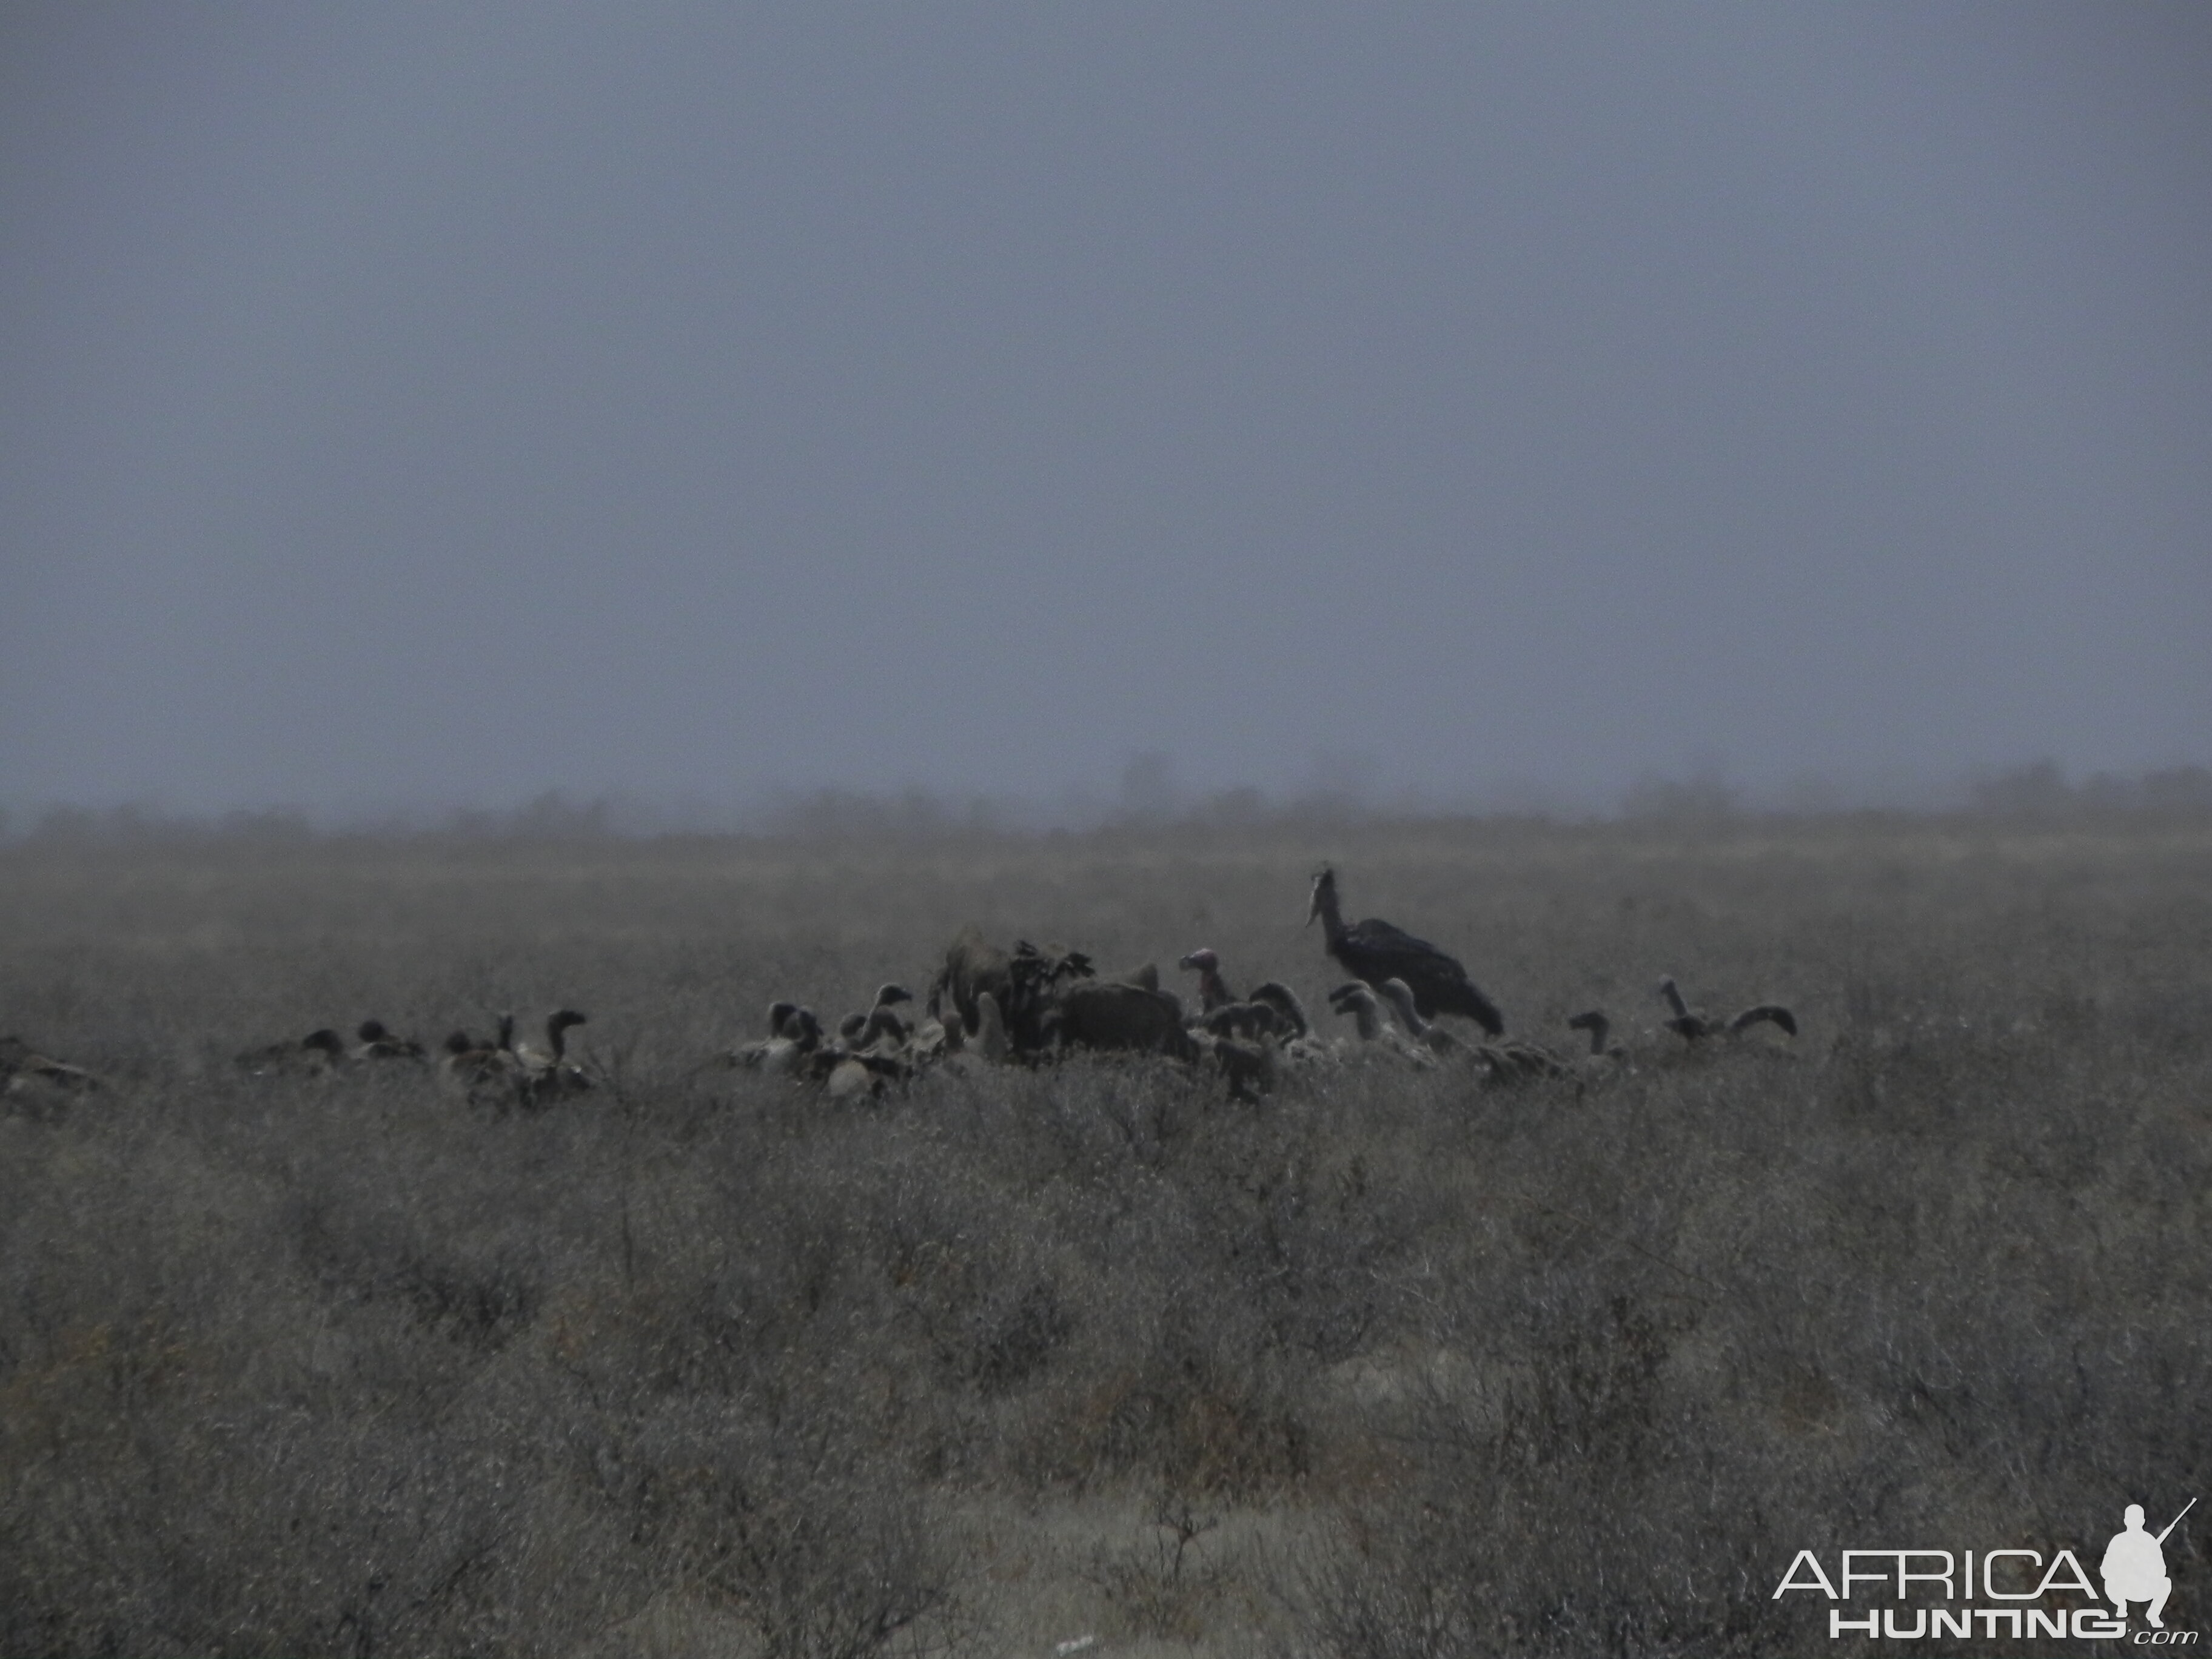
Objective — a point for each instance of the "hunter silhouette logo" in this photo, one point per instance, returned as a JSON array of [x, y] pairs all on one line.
[[2000, 1593], [2135, 1565]]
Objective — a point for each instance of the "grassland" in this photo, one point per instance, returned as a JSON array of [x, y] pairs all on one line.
[[1385, 1365]]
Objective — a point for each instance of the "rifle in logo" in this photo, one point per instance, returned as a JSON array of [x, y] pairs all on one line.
[[2176, 1522]]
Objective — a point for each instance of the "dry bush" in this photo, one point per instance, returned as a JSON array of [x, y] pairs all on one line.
[[351, 1368]]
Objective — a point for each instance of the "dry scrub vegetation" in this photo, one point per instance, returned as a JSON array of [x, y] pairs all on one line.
[[1385, 1365]]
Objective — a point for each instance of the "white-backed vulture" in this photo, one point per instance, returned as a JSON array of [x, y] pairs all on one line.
[[1357, 1001], [548, 1073], [319, 1054], [1694, 1026], [379, 1043], [854, 1076], [483, 1073], [882, 1019], [991, 1040], [1508, 1060], [793, 1037], [754, 1055], [37, 1079], [1377, 1033], [1602, 1048]]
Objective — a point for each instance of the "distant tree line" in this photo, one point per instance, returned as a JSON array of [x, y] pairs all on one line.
[[2039, 792]]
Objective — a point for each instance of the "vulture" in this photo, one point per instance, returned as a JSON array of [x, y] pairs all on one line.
[[1288, 1009], [932, 1041], [485, 1073], [1359, 1002], [1694, 1026], [1598, 1026], [1034, 992], [26, 1073], [851, 1076], [1375, 951], [991, 1041], [318, 1053], [1101, 1014], [883, 1017], [1245, 1019], [973, 966], [377, 1043], [753, 1055], [793, 1034], [1021, 984], [1252, 1069], [548, 1072], [1508, 1060], [1399, 996], [1213, 991]]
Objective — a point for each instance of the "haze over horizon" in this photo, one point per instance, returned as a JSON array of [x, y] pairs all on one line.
[[413, 406]]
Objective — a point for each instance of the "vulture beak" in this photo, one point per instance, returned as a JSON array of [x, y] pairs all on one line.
[[1325, 879]]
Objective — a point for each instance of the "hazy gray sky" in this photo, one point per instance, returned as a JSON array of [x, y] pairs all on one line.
[[413, 404]]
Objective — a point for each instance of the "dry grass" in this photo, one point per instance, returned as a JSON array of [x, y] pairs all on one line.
[[1387, 1365]]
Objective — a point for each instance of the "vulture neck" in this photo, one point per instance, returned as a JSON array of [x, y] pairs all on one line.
[[1409, 1012], [1332, 918]]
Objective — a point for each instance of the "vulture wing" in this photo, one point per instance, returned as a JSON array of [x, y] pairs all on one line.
[[1377, 952]]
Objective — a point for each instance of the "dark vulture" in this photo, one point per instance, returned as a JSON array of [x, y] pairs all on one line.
[[1101, 1014], [1376, 952]]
